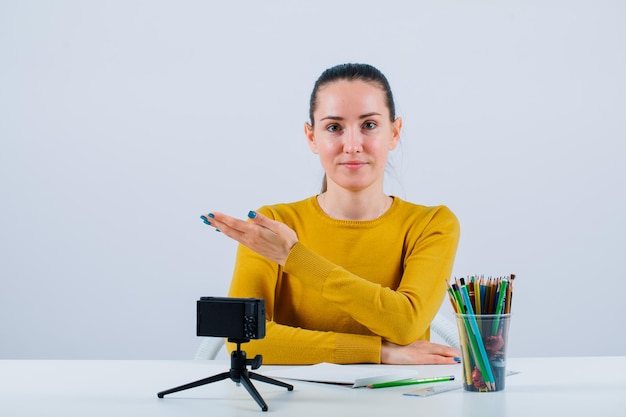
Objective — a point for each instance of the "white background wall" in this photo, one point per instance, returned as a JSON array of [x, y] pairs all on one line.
[[122, 121]]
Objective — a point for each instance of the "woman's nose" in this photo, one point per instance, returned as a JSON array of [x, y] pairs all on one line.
[[352, 141]]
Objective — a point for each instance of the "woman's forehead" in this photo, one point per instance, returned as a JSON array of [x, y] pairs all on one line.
[[344, 98]]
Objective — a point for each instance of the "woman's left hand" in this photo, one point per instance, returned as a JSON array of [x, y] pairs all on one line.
[[420, 352], [265, 236]]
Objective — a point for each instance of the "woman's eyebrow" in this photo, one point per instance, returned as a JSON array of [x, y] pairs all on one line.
[[331, 118], [364, 116]]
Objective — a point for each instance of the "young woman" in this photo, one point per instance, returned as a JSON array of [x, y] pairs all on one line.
[[351, 275]]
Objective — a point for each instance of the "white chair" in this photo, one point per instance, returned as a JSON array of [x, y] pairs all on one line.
[[446, 329], [209, 348], [442, 326]]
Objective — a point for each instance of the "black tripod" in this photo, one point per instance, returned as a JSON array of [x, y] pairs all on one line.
[[238, 373]]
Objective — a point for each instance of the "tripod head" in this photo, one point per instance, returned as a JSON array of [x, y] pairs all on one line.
[[238, 358]]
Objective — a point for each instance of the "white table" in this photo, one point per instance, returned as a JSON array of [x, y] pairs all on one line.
[[576, 386]]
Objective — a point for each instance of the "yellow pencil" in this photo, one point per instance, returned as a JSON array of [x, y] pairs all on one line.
[[477, 296]]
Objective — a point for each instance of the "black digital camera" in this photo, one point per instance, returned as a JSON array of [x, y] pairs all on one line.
[[233, 318]]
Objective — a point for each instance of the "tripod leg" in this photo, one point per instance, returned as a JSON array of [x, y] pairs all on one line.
[[245, 380], [267, 380], [198, 383]]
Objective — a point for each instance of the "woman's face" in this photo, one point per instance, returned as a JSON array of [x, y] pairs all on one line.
[[352, 133]]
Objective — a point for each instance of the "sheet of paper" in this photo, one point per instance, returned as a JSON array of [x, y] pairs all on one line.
[[351, 375]]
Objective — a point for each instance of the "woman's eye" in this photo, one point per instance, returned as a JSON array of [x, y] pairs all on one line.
[[369, 125], [333, 128]]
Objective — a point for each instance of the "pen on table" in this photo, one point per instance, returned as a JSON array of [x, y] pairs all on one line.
[[412, 382]]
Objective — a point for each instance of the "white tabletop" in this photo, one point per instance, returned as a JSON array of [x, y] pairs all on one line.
[[577, 386]]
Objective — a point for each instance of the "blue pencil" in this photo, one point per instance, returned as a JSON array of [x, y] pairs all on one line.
[[490, 380]]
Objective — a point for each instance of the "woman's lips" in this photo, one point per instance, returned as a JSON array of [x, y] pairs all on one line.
[[353, 164]]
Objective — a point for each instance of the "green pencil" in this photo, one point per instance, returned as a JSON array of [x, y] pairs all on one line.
[[499, 307], [412, 382]]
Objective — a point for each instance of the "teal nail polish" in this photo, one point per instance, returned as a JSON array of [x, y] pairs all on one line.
[[211, 215], [457, 359], [251, 214], [218, 230], [208, 223]]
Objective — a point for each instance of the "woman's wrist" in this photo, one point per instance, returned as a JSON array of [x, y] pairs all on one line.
[[386, 349]]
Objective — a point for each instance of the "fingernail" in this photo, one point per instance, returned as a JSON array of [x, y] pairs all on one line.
[[208, 223], [251, 214], [211, 215], [218, 230], [457, 359]]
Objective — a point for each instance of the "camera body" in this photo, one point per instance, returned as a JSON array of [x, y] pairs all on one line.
[[233, 318]]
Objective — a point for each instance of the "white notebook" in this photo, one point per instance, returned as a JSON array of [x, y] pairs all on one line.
[[351, 375]]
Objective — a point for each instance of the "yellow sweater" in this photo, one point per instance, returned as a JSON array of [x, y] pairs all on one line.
[[348, 285]]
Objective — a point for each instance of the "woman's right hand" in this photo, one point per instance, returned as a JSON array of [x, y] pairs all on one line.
[[420, 352], [267, 237]]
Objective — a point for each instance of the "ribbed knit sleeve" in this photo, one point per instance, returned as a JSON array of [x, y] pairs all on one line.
[[303, 261]]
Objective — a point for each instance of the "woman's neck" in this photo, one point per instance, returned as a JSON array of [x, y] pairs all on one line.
[[344, 205]]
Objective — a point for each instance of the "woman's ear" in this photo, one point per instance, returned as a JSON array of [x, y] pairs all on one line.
[[310, 138], [396, 127]]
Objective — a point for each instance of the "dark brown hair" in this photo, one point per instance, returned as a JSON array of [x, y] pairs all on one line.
[[352, 72]]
